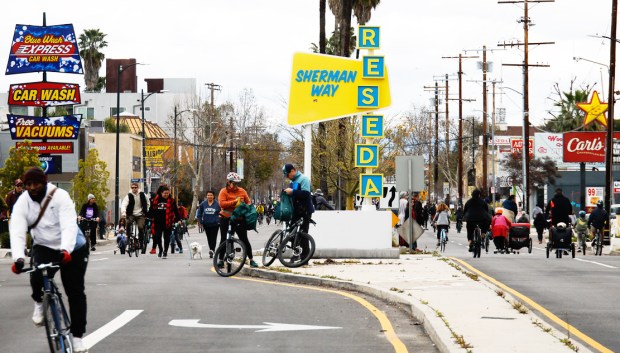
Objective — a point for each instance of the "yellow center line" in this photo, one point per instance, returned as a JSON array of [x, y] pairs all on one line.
[[573, 330], [386, 325]]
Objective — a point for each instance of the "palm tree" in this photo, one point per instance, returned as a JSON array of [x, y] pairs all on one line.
[[91, 42], [569, 117]]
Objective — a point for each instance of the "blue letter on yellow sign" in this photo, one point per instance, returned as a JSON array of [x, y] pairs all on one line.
[[373, 67], [366, 155], [372, 126], [367, 96], [368, 38], [371, 185]]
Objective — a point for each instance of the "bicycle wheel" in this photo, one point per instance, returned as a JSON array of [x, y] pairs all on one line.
[[583, 244], [486, 243], [233, 255], [130, 246], [477, 242], [270, 253], [136, 246], [56, 325], [290, 250], [599, 247], [442, 241]]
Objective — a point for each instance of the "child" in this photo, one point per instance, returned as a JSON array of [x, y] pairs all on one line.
[[121, 237], [442, 220], [581, 227], [499, 227]]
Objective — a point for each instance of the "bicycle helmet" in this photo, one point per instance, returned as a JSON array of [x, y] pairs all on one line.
[[234, 177], [561, 225], [499, 210], [582, 214], [599, 203]]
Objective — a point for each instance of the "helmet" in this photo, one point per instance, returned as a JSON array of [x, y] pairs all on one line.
[[561, 225], [499, 210], [582, 214], [234, 177], [599, 203], [319, 192]]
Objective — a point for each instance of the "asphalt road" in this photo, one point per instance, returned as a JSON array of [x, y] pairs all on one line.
[[582, 292], [147, 304]]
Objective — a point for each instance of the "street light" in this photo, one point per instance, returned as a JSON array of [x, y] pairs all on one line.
[[176, 114], [143, 98], [119, 71], [577, 59]]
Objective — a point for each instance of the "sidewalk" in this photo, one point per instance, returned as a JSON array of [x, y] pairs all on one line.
[[443, 294]]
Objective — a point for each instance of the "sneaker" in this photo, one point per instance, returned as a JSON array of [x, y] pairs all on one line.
[[220, 264], [438, 244], [447, 239], [210, 254], [78, 345], [253, 264], [37, 315], [180, 251], [153, 251], [92, 248], [165, 255]]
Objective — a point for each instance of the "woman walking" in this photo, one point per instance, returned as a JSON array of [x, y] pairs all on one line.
[[164, 213], [209, 216]]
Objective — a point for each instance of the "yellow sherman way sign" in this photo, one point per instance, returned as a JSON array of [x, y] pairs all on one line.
[[325, 87]]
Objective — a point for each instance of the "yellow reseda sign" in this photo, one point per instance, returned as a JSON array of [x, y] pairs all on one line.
[[325, 87]]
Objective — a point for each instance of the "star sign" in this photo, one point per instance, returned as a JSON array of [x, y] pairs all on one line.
[[595, 110]]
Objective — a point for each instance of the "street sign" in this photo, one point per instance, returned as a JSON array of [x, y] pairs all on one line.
[[390, 198], [410, 173]]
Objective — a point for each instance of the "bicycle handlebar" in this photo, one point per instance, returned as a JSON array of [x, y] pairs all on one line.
[[40, 267]]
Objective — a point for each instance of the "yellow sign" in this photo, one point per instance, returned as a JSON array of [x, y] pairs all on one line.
[[154, 155], [595, 110], [325, 87]]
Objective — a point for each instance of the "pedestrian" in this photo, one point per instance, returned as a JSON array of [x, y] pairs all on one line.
[[510, 205], [425, 215], [500, 226], [559, 208], [299, 189], [319, 201], [135, 207], [164, 213], [89, 219], [230, 196], [209, 217], [540, 221], [11, 197], [56, 238]]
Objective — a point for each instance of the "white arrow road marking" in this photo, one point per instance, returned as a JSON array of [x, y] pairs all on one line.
[[596, 263], [104, 258], [109, 328], [267, 327]]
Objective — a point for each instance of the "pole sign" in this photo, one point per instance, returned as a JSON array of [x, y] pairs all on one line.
[[65, 127], [44, 48], [51, 164], [154, 155], [44, 94]]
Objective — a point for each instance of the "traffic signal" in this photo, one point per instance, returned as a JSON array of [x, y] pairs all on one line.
[[471, 177]]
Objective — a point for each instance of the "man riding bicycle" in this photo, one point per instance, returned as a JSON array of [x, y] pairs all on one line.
[[598, 219], [135, 207], [299, 189], [476, 213]]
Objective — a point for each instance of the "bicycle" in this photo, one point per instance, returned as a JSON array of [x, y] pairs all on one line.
[[477, 241], [176, 235], [270, 252], [56, 318], [581, 236], [459, 225], [84, 224], [291, 249], [229, 258], [443, 240], [133, 243], [146, 239], [597, 244], [487, 240]]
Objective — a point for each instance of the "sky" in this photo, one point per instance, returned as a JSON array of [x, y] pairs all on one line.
[[249, 44]]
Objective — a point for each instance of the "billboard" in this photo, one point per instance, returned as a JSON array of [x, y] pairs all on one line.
[[44, 48], [51, 164], [65, 127], [584, 147], [44, 94], [51, 147]]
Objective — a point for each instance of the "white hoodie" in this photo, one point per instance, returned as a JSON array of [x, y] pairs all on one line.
[[56, 230]]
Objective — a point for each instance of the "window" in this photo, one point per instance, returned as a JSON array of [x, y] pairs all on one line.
[[18, 110], [113, 110]]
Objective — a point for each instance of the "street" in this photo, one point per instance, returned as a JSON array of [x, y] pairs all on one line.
[[581, 291], [147, 304]]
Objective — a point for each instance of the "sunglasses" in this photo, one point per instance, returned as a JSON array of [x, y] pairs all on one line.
[[134, 187], [20, 185]]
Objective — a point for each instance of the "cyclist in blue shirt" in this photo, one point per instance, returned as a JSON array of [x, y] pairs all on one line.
[[299, 189]]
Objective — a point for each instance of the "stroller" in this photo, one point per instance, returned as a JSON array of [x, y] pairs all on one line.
[[560, 240], [519, 237]]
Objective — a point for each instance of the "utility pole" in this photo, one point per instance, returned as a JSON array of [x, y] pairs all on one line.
[[526, 104], [460, 140], [232, 134], [436, 170], [609, 182], [485, 141], [212, 87]]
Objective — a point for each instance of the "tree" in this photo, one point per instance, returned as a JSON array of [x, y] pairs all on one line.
[[90, 43], [91, 178], [20, 160], [569, 117], [110, 125], [542, 171]]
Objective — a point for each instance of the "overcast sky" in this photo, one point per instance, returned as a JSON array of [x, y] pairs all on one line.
[[249, 44]]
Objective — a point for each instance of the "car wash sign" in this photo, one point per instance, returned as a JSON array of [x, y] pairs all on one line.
[[58, 128], [44, 94], [44, 48]]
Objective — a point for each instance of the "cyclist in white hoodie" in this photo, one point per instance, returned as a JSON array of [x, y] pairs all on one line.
[[55, 238]]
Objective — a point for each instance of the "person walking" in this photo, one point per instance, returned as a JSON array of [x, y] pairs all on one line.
[[511, 205], [135, 207], [540, 221], [89, 219], [299, 189], [209, 216], [164, 213], [56, 238], [230, 196]]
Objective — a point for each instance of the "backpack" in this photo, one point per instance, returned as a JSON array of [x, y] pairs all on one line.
[[284, 210], [248, 214]]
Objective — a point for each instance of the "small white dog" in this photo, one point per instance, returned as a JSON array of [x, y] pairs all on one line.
[[196, 250]]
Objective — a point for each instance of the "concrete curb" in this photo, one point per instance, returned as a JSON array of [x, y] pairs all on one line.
[[433, 325]]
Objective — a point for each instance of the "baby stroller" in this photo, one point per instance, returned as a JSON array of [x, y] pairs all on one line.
[[519, 237], [560, 240]]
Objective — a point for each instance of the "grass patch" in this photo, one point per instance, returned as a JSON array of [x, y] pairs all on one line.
[[567, 342], [394, 289], [461, 341], [500, 293], [518, 306]]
